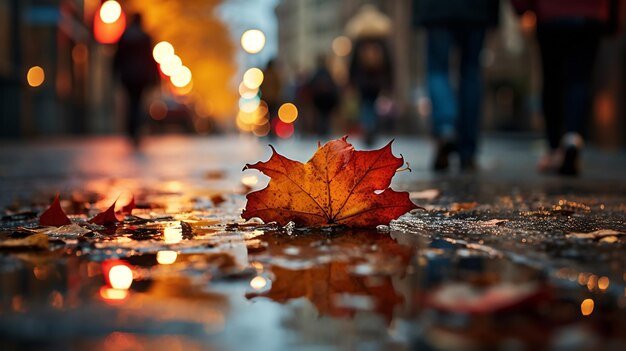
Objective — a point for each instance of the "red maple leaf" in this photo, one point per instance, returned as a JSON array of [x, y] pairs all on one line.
[[128, 208], [107, 217], [338, 185], [54, 215]]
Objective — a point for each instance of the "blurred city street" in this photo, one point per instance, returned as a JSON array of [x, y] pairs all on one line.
[[150, 197]]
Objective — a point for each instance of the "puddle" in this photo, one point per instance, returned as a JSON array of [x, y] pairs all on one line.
[[517, 268]]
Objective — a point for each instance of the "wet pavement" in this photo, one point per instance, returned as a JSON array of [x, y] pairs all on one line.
[[501, 259]]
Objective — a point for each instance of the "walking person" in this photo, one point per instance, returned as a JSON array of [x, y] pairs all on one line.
[[370, 69], [456, 115], [568, 33], [324, 96], [137, 70]]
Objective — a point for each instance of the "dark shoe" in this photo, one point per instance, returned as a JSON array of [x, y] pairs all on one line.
[[569, 167], [444, 149]]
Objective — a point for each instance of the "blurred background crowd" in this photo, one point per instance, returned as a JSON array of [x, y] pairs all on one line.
[[280, 69]]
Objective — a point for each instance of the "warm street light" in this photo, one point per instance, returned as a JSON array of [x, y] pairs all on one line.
[[181, 77], [109, 23], [253, 78], [35, 76], [253, 41], [110, 11], [162, 51], [171, 65]]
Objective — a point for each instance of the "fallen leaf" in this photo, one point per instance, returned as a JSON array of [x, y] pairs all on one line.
[[35, 241], [54, 215], [492, 222], [128, 208], [598, 234], [428, 194], [107, 217], [338, 185], [462, 206]]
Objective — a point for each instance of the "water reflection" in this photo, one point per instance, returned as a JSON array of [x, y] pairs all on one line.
[[327, 270]]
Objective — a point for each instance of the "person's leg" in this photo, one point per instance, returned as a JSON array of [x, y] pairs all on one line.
[[470, 94], [133, 117], [442, 96], [551, 44], [368, 117], [578, 66]]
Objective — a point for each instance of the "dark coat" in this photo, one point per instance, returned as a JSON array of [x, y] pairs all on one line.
[[370, 66], [462, 13], [133, 60]]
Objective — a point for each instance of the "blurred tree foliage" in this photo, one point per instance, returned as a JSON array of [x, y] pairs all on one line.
[[203, 43]]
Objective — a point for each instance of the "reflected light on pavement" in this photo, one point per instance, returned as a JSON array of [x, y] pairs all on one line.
[[166, 257], [113, 294], [120, 277], [173, 235], [258, 283]]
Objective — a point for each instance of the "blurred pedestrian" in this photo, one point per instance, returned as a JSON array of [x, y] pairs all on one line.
[[137, 70], [324, 95], [370, 71], [568, 32], [456, 115], [271, 92]]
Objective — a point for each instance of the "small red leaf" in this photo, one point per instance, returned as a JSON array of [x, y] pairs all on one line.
[[128, 208], [54, 215], [107, 217]]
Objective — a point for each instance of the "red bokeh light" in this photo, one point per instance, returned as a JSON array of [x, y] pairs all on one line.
[[108, 33], [283, 130]]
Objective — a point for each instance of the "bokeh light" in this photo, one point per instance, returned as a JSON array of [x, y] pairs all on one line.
[[283, 130], [181, 77], [253, 41], [253, 78], [35, 76], [162, 51], [166, 257], [586, 307], [250, 180], [173, 235], [342, 46], [110, 11], [109, 294], [246, 92], [249, 105], [171, 65], [158, 110], [261, 130], [288, 112], [120, 277], [258, 283]]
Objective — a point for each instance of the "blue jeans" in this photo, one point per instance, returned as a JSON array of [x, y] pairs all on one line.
[[456, 114]]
